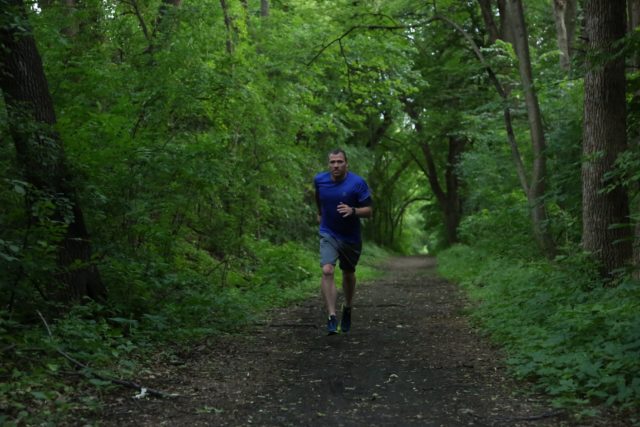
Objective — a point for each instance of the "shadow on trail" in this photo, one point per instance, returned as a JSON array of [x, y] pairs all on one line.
[[411, 359]]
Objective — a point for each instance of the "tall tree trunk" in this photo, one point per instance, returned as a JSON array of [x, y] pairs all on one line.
[[538, 143], [605, 214], [264, 8], [633, 21], [496, 31], [448, 197], [228, 25], [39, 149], [564, 13], [452, 206], [506, 31], [487, 15]]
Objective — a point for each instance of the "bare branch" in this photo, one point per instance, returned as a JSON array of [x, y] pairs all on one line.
[[352, 29], [90, 372]]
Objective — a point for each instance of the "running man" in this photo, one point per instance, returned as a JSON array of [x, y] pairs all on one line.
[[342, 198]]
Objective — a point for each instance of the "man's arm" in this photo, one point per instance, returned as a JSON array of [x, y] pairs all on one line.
[[364, 212], [317, 196]]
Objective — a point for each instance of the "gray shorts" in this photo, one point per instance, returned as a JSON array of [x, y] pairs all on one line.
[[332, 250]]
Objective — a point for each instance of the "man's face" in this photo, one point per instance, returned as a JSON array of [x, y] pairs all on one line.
[[337, 166]]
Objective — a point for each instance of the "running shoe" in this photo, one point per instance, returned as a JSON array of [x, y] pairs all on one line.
[[332, 325], [345, 323]]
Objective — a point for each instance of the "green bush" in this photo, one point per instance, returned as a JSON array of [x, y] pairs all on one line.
[[576, 338]]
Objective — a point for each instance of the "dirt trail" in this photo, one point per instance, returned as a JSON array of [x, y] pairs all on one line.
[[411, 359]]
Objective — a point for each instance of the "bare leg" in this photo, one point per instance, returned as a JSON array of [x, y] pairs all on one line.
[[348, 286], [328, 288]]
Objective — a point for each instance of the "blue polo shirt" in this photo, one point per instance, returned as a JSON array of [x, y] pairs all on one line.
[[352, 191]]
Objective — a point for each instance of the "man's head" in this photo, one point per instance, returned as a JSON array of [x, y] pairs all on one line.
[[338, 164]]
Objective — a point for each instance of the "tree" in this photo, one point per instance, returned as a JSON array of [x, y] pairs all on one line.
[[605, 211], [634, 137], [228, 23], [40, 151], [447, 195], [533, 184], [537, 182], [496, 31], [564, 13]]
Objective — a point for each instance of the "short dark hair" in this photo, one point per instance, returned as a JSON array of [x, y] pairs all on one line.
[[339, 151]]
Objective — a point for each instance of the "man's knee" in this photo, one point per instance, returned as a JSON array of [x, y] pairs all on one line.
[[328, 269]]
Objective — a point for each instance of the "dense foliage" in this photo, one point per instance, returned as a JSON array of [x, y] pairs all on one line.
[[192, 131], [577, 339]]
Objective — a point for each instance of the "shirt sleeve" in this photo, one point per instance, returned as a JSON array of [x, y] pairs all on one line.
[[364, 194]]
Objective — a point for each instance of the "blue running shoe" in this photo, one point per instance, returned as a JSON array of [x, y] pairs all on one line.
[[332, 325], [345, 323]]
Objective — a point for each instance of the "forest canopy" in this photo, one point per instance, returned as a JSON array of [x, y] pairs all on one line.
[[158, 155]]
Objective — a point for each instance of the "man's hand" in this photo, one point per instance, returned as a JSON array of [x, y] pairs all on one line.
[[345, 210]]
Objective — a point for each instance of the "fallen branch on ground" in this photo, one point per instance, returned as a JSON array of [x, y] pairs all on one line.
[[91, 372]]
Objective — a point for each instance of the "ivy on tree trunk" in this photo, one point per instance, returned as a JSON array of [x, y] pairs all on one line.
[[40, 151]]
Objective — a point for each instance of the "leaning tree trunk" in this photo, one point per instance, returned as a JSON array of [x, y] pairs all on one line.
[[605, 214], [538, 174], [40, 152], [449, 199]]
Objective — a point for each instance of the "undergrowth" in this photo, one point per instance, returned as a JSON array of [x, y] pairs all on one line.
[[575, 337], [154, 309]]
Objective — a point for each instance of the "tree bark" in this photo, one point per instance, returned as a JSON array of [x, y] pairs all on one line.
[[564, 13], [506, 32], [448, 198], [452, 205], [633, 16], [40, 152], [228, 25], [264, 8], [605, 214], [487, 15], [538, 174], [633, 21]]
